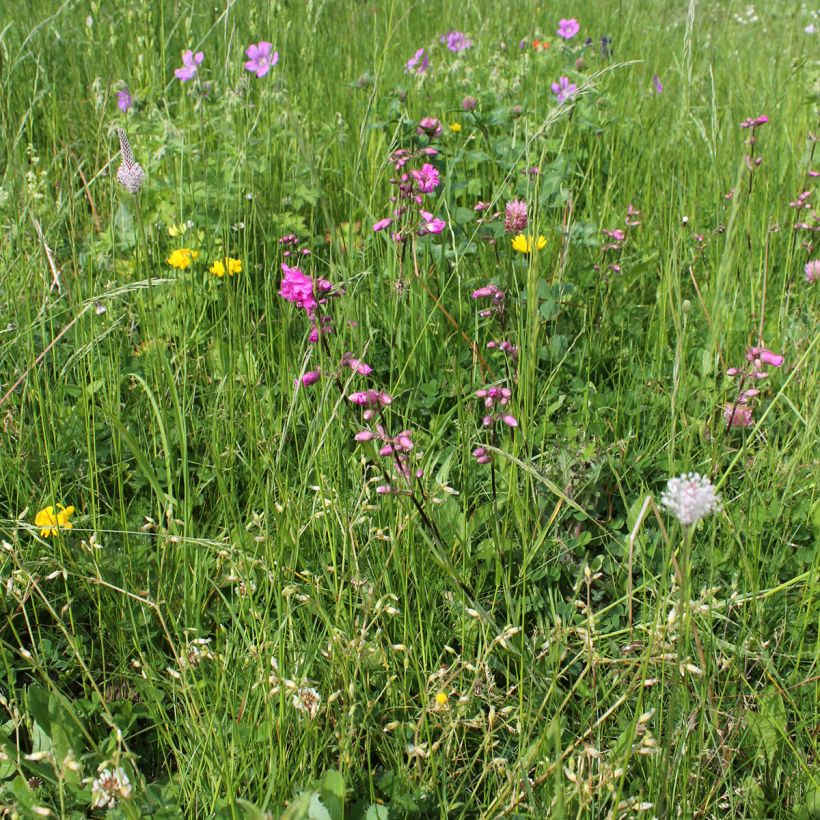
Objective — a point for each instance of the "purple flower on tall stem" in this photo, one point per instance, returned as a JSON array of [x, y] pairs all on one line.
[[297, 288], [568, 28], [382, 224], [261, 58], [430, 223], [656, 81], [564, 89], [418, 63], [311, 377], [124, 101], [190, 65]]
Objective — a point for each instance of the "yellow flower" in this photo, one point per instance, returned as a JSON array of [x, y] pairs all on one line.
[[181, 258], [455, 127], [441, 698], [178, 230], [51, 524], [523, 244], [228, 264]]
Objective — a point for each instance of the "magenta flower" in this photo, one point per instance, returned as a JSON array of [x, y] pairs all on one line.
[[754, 122], [469, 104], [297, 288], [761, 354], [656, 81], [489, 292], [812, 270], [311, 377], [738, 415], [430, 223], [124, 101], [429, 126], [418, 63], [356, 365], [382, 224], [568, 28], [261, 58], [427, 179], [190, 64], [456, 41], [482, 456], [515, 219], [564, 89]]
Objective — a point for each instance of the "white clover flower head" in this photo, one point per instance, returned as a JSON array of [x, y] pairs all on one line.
[[690, 497], [108, 786], [307, 699]]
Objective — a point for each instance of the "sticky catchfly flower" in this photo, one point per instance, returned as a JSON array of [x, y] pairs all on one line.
[[690, 497], [564, 89], [261, 58], [568, 28], [50, 523], [297, 288], [190, 65], [227, 265], [427, 179], [181, 258], [524, 243]]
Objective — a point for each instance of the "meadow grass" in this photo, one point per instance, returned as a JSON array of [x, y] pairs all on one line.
[[238, 621]]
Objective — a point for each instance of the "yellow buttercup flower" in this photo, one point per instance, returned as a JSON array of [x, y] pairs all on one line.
[[523, 244], [441, 698], [455, 127], [50, 523], [228, 264], [181, 258]]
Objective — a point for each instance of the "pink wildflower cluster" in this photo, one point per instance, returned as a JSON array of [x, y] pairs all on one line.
[[291, 246], [739, 412], [412, 185], [308, 294], [372, 401], [348, 360], [616, 239], [495, 400], [397, 449], [505, 347], [490, 292], [754, 122]]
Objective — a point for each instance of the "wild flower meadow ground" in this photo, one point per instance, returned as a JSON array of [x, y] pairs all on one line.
[[409, 410]]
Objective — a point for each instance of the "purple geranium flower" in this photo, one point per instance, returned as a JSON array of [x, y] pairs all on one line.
[[190, 63], [124, 101], [564, 89], [456, 41], [261, 58], [418, 63], [568, 28], [656, 81]]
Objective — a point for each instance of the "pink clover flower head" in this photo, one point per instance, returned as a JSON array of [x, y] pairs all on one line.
[[469, 103], [382, 224], [261, 58], [427, 179], [124, 101], [737, 415], [190, 65], [429, 126], [309, 378], [690, 497], [761, 354], [515, 216], [456, 41], [418, 63], [564, 89], [568, 28], [297, 288], [430, 223], [812, 270]]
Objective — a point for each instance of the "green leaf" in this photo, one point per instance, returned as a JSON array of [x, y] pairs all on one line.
[[377, 813]]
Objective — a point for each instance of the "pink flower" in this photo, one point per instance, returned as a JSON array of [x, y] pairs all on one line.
[[737, 415], [481, 455], [812, 270], [311, 377], [430, 223], [418, 63], [261, 58], [427, 179], [568, 28], [761, 354], [190, 64], [515, 219], [382, 224], [564, 89], [356, 365], [488, 292], [297, 288], [429, 126]]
